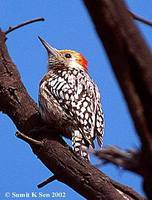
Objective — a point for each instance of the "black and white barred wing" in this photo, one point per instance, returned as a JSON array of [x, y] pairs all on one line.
[[50, 108], [99, 122]]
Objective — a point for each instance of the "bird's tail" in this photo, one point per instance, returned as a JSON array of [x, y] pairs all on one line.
[[79, 145]]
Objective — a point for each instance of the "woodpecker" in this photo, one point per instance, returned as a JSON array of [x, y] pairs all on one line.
[[70, 99]]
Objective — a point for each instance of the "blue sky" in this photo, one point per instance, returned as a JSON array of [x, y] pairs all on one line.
[[67, 26]]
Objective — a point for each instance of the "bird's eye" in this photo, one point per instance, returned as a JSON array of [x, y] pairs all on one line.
[[67, 55]]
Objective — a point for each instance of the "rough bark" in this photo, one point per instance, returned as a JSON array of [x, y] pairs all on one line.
[[51, 150], [131, 61]]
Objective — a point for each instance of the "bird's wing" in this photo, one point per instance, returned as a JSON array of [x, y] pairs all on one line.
[[99, 120]]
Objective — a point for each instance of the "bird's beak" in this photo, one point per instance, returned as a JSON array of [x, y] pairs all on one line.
[[51, 51]]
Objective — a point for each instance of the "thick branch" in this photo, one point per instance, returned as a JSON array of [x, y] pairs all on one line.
[[131, 61], [130, 58], [77, 173]]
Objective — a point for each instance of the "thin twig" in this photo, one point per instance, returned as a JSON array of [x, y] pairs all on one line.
[[28, 139], [23, 24], [45, 182], [140, 19]]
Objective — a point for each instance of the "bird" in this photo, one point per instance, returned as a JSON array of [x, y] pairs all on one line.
[[70, 100]]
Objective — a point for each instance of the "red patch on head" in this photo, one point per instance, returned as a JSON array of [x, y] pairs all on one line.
[[82, 61], [78, 56]]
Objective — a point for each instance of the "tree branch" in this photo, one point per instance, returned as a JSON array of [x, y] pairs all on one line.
[[29, 140], [140, 19], [24, 24], [129, 160], [131, 61], [65, 165], [48, 180]]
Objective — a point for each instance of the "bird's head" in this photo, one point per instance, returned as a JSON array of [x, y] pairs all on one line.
[[68, 58]]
